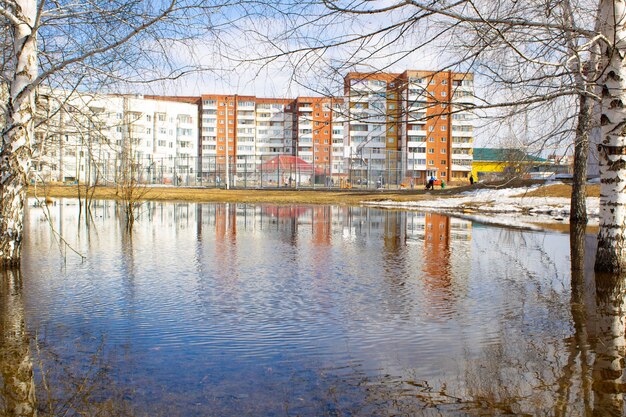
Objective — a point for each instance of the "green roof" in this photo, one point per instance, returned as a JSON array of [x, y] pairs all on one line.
[[504, 155]]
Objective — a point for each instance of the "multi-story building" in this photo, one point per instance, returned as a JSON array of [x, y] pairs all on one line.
[[412, 124], [88, 137], [388, 128], [314, 130], [275, 128], [371, 127], [253, 127]]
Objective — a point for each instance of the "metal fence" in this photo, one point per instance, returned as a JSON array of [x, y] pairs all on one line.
[[372, 171]]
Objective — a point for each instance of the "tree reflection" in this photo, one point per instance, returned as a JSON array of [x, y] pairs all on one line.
[[608, 367], [16, 367]]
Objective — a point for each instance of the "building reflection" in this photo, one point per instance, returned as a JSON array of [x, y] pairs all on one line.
[[444, 235]]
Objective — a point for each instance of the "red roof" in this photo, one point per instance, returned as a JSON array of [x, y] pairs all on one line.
[[289, 163]]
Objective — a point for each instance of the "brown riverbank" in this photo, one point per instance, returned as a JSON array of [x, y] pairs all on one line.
[[291, 196]]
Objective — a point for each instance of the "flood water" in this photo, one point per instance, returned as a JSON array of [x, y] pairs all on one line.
[[235, 309]]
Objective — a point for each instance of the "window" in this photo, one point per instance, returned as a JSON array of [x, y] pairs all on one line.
[[444, 128], [443, 174], [431, 139], [390, 140], [443, 94], [444, 82], [444, 162], [431, 128], [431, 162], [431, 150], [443, 139], [444, 117]]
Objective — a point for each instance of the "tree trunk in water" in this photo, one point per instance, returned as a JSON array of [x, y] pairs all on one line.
[[578, 205], [608, 367], [17, 138], [611, 254]]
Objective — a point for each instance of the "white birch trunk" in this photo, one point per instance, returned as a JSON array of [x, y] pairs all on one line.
[[611, 254], [17, 138]]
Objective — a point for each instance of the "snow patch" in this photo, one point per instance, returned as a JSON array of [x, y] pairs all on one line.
[[509, 203]]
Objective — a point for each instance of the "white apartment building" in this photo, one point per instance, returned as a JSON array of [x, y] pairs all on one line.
[[414, 125], [369, 121], [88, 138]]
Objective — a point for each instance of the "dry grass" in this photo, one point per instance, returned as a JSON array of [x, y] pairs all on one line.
[[565, 227], [347, 197], [560, 190], [292, 196]]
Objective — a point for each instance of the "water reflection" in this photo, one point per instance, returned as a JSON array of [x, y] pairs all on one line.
[[608, 366], [237, 309], [16, 367]]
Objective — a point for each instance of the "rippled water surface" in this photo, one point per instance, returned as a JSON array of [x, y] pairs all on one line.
[[234, 309]]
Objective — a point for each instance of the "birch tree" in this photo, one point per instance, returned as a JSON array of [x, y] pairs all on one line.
[[611, 254], [95, 44]]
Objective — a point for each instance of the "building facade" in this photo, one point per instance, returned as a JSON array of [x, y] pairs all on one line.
[[414, 124], [88, 138], [387, 129]]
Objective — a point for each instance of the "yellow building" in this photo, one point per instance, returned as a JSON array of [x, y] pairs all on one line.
[[494, 163]]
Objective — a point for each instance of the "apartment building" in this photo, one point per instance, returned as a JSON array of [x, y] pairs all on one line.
[[371, 126], [319, 138], [387, 128], [275, 128], [246, 128], [90, 138], [413, 124]]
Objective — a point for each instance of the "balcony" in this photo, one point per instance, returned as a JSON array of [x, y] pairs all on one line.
[[462, 156], [456, 145], [461, 168], [416, 133], [416, 167], [466, 122], [419, 96], [469, 99]]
